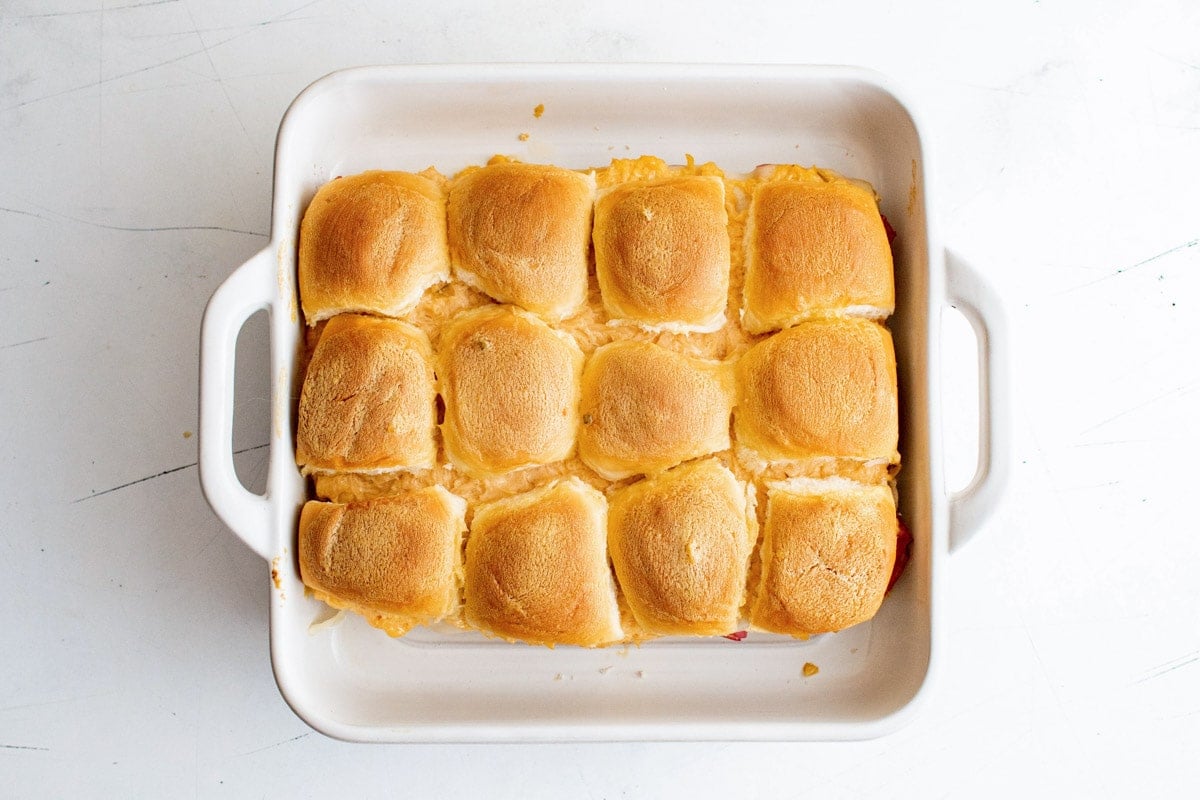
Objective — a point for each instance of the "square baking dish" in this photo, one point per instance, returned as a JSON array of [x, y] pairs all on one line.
[[353, 682]]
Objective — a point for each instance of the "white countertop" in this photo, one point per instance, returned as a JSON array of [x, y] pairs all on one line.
[[137, 158]]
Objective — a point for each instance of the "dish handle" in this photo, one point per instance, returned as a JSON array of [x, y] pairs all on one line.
[[250, 288], [969, 293]]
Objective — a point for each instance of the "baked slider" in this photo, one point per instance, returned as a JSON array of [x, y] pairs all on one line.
[[815, 248], [537, 571], [680, 544], [827, 555], [510, 385], [823, 388], [372, 243], [645, 408], [520, 233], [368, 399], [395, 560], [662, 252]]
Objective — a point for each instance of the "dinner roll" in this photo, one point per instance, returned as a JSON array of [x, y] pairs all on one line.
[[662, 252], [372, 243], [510, 385], [368, 399], [823, 388], [827, 554], [680, 544], [536, 568], [814, 248], [521, 232], [645, 408], [395, 560]]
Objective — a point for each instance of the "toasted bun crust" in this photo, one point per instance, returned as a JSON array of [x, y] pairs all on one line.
[[396, 560], [680, 543], [645, 408], [521, 233], [823, 388], [814, 248], [372, 243], [511, 389], [536, 568], [662, 251], [827, 554], [367, 403]]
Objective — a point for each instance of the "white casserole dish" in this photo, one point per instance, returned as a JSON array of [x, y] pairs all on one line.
[[353, 682]]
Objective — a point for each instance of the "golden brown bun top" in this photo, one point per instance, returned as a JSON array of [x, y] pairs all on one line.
[[367, 402], [662, 251], [372, 243], [680, 543], [645, 408], [828, 551], [399, 557], [814, 248], [823, 388], [511, 389], [521, 234], [536, 568]]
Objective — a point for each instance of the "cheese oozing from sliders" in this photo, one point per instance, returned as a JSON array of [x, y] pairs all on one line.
[[624, 360]]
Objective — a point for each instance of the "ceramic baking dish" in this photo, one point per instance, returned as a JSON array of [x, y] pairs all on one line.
[[353, 682]]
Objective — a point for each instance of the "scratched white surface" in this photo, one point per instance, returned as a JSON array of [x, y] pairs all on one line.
[[135, 151]]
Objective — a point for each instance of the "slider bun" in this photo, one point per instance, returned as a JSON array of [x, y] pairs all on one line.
[[680, 543], [520, 233], [511, 390], [662, 252], [395, 560], [815, 248], [827, 554], [372, 243], [536, 568], [645, 408], [823, 388], [367, 403]]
